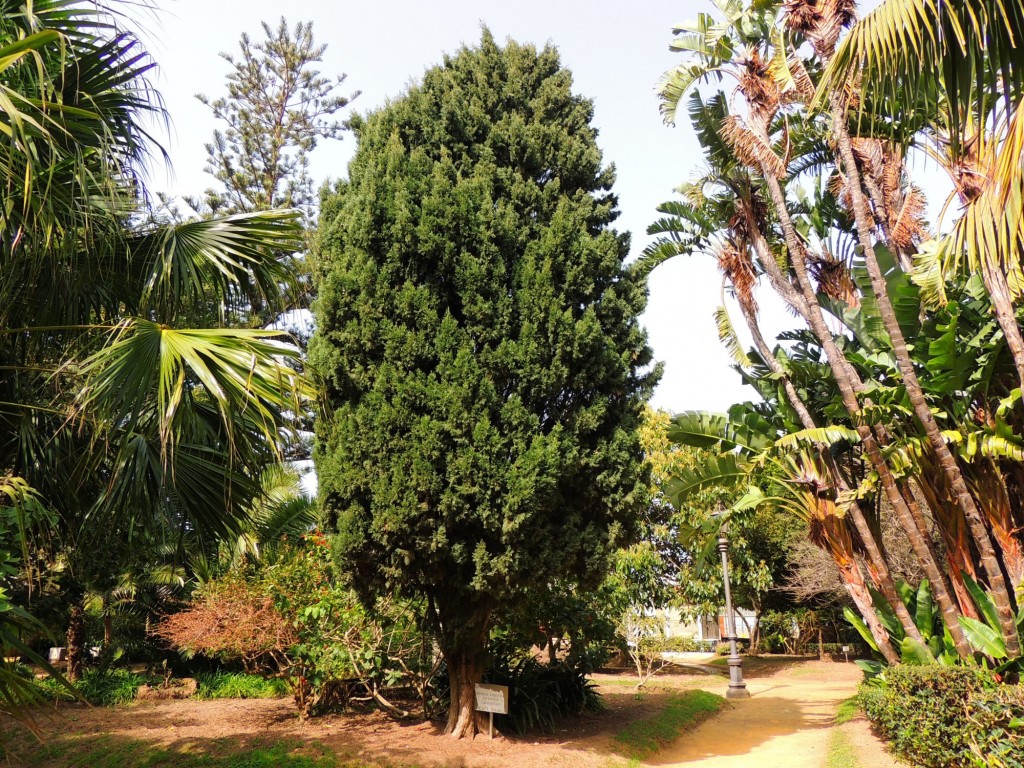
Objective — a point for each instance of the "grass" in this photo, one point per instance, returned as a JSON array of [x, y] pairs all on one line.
[[103, 688], [848, 710], [645, 737], [841, 752], [237, 685], [108, 752]]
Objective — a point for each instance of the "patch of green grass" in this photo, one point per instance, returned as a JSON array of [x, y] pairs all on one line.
[[107, 752], [237, 685], [841, 752], [101, 687], [645, 737], [848, 710]]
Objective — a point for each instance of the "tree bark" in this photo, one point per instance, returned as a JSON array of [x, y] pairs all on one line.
[[465, 670], [75, 641], [853, 580], [947, 462], [1002, 304]]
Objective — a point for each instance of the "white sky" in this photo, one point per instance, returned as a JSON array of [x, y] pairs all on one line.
[[616, 51]]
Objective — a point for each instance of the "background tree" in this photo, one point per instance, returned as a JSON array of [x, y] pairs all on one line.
[[478, 341], [277, 108]]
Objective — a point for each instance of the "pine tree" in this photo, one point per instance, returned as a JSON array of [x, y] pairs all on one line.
[[479, 346], [277, 108]]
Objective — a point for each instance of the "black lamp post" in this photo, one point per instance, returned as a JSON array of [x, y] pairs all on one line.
[[737, 688]]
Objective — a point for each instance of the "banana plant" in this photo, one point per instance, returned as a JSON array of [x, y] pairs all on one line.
[[984, 633]]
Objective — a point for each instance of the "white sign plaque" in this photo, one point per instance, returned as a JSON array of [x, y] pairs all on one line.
[[492, 698]]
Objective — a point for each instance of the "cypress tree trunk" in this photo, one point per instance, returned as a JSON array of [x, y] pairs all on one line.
[[466, 665], [947, 462]]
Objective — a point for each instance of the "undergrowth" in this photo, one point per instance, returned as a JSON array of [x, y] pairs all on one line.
[[238, 685]]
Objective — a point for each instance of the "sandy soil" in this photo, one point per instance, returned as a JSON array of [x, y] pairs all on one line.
[[786, 722]]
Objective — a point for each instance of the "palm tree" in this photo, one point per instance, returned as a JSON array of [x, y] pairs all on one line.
[[723, 214], [115, 411], [820, 26], [749, 47]]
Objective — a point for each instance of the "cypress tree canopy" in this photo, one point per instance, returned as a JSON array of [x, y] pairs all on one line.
[[478, 342]]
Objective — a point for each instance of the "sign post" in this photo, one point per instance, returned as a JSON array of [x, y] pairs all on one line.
[[491, 699]]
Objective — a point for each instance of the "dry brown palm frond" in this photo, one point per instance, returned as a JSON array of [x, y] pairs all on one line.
[[845, 11], [804, 84], [738, 268], [758, 86], [750, 215], [801, 16], [838, 186], [820, 22], [753, 150], [907, 224], [834, 280], [891, 179], [870, 155]]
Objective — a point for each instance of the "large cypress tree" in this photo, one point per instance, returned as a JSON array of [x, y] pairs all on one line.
[[478, 341]]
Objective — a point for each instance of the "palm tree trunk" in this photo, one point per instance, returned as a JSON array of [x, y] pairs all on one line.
[[853, 581], [879, 570], [76, 643], [845, 377], [947, 462], [999, 292]]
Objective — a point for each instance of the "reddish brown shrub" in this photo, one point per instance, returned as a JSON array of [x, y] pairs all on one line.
[[233, 620]]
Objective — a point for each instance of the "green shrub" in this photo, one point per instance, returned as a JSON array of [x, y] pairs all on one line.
[[947, 716], [681, 645], [101, 687], [238, 685], [539, 694], [723, 648], [542, 694], [997, 728]]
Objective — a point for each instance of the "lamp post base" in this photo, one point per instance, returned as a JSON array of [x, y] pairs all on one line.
[[740, 692], [737, 688]]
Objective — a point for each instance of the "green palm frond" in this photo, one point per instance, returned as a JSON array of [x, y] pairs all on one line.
[[724, 470], [968, 52], [990, 234], [148, 367], [830, 436], [929, 272], [727, 335], [198, 262], [701, 429]]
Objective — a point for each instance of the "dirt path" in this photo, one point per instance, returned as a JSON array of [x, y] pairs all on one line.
[[789, 721]]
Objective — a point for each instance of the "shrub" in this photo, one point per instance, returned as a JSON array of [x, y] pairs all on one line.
[[100, 687], [238, 685], [231, 618], [292, 616], [947, 716], [683, 645], [723, 648], [540, 695]]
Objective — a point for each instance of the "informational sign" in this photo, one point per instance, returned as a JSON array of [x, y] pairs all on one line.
[[492, 698]]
